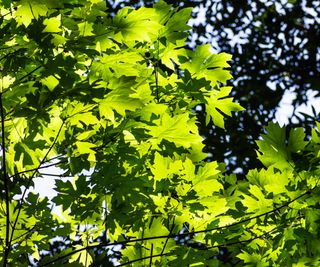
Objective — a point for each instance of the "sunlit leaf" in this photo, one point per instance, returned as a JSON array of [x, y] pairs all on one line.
[[52, 24], [218, 103], [29, 10], [175, 129]]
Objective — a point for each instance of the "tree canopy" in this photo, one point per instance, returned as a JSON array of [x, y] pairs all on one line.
[[275, 51], [110, 99]]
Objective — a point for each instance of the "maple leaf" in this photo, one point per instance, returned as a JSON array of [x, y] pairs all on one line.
[[136, 25], [52, 24], [28, 10], [218, 103], [177, 129], [204, 64], [119, 101], [274, 150]]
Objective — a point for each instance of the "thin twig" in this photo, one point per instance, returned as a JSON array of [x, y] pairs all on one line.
[[205, 248], [140, 259], [6, 14], [38, 168], [156, 69], [29, 182], [61, 175], [170, 233], [125, 242], [150, 263], [20, 79], [29, 73], [6, 186]]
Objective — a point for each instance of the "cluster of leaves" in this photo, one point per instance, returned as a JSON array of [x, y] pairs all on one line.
[[275, 47], [110, 100]]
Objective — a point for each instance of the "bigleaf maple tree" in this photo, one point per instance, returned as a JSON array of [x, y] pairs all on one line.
[[110, 101]]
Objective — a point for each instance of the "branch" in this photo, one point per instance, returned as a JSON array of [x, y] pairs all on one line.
[[6, 187], [150, 263], [141, 259], [59, 175], [205, 248], [6, 14], [29, 73], [29, 182], [25, 233], [38, 168], [156, 70], [6, 55], [20, 79], [170, 233]]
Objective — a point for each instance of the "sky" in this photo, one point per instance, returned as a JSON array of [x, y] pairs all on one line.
[[285, 110]]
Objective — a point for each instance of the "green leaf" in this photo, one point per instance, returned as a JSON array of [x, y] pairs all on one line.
[[250, 258], [165, 167], [205, 183], [86, 28], [119, 101], [136, 25], [51, 82], [296, 140], [5, 82], [207, 188], [204, 64], [218, 103], [257, 202], [82, 257], [117, 65], [274, 150], [86, 148], [176, 27], [272, 181], [150, 109], [215, 206], [178, 129], [28, 10], [52, 24]]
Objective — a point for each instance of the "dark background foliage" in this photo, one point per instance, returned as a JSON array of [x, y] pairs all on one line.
[[276, 48]]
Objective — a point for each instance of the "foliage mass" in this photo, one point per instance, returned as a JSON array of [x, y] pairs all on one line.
[[110, 101]]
